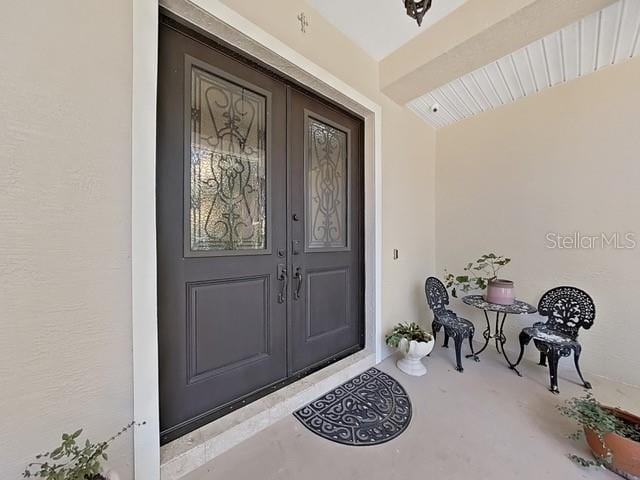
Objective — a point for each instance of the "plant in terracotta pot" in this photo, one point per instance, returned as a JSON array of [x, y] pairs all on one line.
[[613, 435], [414, 343], [73, 460], [483, 274]]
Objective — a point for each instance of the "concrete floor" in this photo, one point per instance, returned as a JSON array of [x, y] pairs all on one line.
[[486, 423]]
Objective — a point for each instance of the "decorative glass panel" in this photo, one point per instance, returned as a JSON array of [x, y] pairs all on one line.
[[326, 165], [227, 172]]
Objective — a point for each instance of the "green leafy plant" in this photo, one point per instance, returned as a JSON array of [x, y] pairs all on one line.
[[477, 274], [71, 461], [591, 415], [410, 331]]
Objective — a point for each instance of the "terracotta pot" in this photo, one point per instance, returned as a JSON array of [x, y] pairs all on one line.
[[625, 452], [500, 291]]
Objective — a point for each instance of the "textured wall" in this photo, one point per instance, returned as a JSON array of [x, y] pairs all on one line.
[[65, 211], [563, 161], [65, 294]]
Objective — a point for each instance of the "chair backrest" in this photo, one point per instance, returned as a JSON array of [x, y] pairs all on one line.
[[567, 310], [437, 296]]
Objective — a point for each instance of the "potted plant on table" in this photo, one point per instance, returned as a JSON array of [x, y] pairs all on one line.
[[613, 435], [483, 274], [414, 343], [73, 460]]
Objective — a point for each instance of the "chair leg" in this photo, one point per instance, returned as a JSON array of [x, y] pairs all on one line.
[[554, 358], [434, 332], [446, 340], [524, 341], [576, 359], [543, 359], [458, 344]]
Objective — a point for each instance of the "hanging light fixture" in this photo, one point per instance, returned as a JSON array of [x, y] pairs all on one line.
[[417, 8]]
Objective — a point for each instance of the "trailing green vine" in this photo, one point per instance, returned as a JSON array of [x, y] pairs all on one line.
[[587, 412]]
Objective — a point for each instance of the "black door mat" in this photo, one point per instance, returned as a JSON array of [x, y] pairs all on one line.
[[369, 409]]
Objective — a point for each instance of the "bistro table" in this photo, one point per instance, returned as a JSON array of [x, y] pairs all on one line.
[[517, 308]]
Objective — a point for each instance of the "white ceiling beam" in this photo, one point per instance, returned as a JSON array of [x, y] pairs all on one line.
[[476, 34], [597, 41]]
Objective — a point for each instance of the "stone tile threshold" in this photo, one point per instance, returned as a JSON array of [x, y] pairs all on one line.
[[182, 456]]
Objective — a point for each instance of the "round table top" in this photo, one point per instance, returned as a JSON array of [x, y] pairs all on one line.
[[517, 308]]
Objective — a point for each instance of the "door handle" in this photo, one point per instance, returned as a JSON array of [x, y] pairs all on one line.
[[297, 274], [284, 280]]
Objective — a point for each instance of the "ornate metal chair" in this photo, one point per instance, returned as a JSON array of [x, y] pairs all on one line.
[[454, 326], [567, 310]]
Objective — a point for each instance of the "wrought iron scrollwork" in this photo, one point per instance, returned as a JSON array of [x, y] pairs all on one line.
[[228, 171], [567, 310], [437, 296], [326, 165], [454, 326]]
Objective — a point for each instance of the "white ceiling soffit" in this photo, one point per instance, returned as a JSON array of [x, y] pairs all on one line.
[[603, 38], [380, 26]]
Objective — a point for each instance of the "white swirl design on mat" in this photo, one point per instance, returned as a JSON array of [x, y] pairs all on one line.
[[369, 409]]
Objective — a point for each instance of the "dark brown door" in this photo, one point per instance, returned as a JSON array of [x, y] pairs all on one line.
[[221, 210], [259, 221], [326, 204]]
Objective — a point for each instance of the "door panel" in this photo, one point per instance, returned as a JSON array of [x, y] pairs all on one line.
[[327, 308], [246, 302], [221, 218], [326, 202]]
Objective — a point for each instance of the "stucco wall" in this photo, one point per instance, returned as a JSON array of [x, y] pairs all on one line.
[[408, 152], [65, 294], [65, 211], [562, 161]]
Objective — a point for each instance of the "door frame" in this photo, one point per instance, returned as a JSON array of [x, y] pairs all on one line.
[[219, 20]]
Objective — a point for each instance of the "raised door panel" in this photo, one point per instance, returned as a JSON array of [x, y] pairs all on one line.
[[228, 325], [328, 309]]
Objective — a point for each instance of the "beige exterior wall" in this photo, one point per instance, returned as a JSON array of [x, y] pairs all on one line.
[[65, 211], [65, 266], [565, 160], [408, 153]]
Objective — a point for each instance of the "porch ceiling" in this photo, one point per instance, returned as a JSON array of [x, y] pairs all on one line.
[[604, 38], [474, 35], [379, 27]]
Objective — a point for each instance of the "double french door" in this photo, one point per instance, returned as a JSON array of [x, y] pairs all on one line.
[[260, 231]]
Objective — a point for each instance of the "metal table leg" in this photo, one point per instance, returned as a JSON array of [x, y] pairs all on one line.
[[498, 331], [503, 339], [486, 335]]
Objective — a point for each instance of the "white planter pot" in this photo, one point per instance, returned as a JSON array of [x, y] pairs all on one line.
[[413, 352], [112, 475]]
